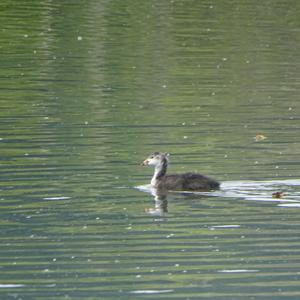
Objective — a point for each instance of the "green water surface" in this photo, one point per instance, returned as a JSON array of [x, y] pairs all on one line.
[[89, 89]]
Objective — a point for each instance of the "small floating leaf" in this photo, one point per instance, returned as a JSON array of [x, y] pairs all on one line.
[[259, 137]]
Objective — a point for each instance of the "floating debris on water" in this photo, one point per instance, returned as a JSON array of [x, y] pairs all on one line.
[[260, 137], [278, 195]]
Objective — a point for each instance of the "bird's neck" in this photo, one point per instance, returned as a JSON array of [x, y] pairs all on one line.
[[159, 172]]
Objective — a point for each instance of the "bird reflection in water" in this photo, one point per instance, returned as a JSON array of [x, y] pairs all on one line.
[[161, 203]]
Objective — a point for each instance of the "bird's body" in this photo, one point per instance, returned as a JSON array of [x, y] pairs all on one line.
[[177, 182]]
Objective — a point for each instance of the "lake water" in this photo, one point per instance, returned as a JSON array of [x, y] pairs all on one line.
[[89, 89]]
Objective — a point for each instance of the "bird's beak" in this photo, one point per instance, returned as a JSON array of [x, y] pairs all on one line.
[[145, 163]]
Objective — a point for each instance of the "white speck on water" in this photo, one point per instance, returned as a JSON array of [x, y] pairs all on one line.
[[238, 271], [164, 86], [176, 265], [138, 276], [224, 58], [289, 205], [150, 291], [79, 38], [56, 198], [25, 35], [226, 226], [290, 108], [11, 285], [185, 137]]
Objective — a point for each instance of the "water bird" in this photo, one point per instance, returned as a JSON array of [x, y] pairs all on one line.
[[176, 182]]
